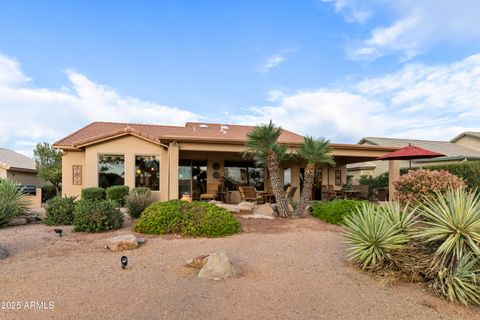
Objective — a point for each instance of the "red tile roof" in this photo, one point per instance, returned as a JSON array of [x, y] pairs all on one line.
[[192, 131]]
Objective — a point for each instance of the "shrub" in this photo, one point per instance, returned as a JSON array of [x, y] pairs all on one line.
[[117, 194], [137, 201], [93, 194], [374, 183], [418, 185], [187, 218], [48, 192], [59, 211], [13, 202], [334, 211], [372, 237], [97, 216]]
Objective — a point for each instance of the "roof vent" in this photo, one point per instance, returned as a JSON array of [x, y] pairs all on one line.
[[203, 126], [224, 128]]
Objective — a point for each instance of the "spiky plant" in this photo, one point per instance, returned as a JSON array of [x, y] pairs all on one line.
[[401, 216], [452, 223], [371, 236], [13, 202], [462, 283], [314, 152]]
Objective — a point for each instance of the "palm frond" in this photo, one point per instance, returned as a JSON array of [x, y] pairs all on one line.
[[315, 151]]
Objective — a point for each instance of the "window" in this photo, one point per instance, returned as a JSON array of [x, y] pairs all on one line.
[[243, 173], [287, 177], [111, 170], [192, 178], [147, 172]]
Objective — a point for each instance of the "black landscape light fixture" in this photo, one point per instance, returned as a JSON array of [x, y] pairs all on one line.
[[124, 261], [58, 231]]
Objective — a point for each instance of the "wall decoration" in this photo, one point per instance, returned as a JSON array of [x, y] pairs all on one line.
[[338, 177], [216, 166], [216, 175], [77, 175]]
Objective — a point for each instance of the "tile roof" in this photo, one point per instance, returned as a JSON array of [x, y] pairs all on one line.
[[444, 147], [11, 159], [192, 131]]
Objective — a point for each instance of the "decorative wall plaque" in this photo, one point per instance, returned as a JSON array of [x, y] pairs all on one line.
[[77, 175], [338, 177], [216, 166]]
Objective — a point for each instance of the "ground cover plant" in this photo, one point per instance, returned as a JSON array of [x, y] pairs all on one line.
[[13, 202], [187, 218], [335, 211], [59, 211]]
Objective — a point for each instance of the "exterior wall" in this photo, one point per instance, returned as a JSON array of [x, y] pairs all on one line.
[[26, 178], [70, 159], [469, 142], [36, 200], [3, 173], [357, 174]]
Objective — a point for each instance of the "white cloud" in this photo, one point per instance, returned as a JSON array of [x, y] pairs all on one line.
[[10, 73], [353, 11], [272, 62]]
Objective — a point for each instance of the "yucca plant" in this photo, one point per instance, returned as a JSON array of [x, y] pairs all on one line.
[[452, 223], [401, 216], [372, 237], [13, 202], [462, 283]]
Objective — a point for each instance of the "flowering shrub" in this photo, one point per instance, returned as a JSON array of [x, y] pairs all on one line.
[[415, 185]]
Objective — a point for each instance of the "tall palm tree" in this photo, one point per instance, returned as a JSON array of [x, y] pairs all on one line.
[[314, 152], [262, 144]]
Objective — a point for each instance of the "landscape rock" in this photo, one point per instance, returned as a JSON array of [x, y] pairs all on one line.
[[141, 240], [256, 216], [246, 206], [217, 267], [3, 253], [122, 242], [17, 222], [198, 262], [265, 209]]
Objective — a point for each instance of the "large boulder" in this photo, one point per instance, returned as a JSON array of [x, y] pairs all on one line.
[[217, 267], [17, 222], [246, 206], [3, 253], [122, 242], [265, 210]]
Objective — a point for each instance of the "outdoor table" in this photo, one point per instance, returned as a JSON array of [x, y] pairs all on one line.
[[351, 193]]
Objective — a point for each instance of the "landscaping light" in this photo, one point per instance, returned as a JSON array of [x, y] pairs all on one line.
[[124, 261], [58, 231]]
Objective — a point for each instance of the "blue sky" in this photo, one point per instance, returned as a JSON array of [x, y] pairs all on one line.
[[342, 69]]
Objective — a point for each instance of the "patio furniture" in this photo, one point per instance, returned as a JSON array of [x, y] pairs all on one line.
[[363, 192], [327, 193], [249, 194], [212, 192]]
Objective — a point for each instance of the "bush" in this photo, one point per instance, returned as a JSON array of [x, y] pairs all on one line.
[[418, 185], [374, 183], [137, 201], [93, 194], [59, 211], [187, 218], [335, 211], [97, 216], [13, 202], [48, 192], [117, 194]]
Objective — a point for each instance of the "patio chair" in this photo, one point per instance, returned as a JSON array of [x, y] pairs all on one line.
[[327, 194], [363, 192], [249, 194], [212, 192], [290, 192]]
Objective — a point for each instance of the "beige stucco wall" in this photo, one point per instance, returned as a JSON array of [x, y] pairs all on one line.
[[22, 177], [469, 142], [69, 159], [3, 173]]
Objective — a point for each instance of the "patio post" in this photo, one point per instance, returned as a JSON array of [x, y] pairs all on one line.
[[173, 159], [393, 175]]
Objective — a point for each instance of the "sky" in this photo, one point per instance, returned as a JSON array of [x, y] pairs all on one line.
[[340, 69]]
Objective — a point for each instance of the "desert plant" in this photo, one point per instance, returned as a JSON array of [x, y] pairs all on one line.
[[49, 164], [93, 193], [117, 194], [418, 185], [59, 211], [403, 217], [97, 216], [13, 202], [187, 218], [334, 211], [371, 236], [137, 201]]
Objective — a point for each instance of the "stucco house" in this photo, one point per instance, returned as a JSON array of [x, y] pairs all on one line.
[[18, 168], [174, 160], [469, 139]]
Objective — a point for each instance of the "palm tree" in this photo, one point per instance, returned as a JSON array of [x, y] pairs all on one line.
[[314, 152], [262, 144]]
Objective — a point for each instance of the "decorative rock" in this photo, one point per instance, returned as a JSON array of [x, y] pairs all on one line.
[[3, 253], [256, 216], [17, 222], [265, 209], [122, 242], [197, 262], [246, 206], [218, 267], [141, 240]]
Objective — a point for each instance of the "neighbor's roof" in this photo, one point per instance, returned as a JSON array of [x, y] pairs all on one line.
[[443, 147], [466, 133], [12, 160], [192, 131], [361, 166]]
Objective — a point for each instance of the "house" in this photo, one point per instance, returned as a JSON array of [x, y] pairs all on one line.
[[177, 160], [18, 168], [462, 149]]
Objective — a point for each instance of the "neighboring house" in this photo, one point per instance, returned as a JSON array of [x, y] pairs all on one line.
[[468, 139], [19, 168], [454, 153], [174, 160], [357, 170]]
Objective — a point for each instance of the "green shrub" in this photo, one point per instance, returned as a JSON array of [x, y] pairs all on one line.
[[48, 192], [13, 202], [187, 218], [137, 201], [374, 183], [97, 216], [93, 194], [117, 194], [334, 211], [59, 211]]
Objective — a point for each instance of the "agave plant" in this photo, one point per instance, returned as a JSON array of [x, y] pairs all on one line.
[[462, 283], [372, 236], [13, 202], [401, 216], [452, 222]]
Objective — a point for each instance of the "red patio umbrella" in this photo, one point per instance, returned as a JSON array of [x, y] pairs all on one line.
[[410, 152]]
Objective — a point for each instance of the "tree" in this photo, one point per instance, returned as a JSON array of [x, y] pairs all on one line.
[[314, 152], [49, 164], [262, 144]]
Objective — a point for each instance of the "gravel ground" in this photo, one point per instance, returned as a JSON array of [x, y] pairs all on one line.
[[289, 270]]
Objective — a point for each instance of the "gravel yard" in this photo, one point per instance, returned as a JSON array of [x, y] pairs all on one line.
[[290, 269]]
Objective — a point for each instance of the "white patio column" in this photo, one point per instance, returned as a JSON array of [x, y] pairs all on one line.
[[393, 175], [173, 158]]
